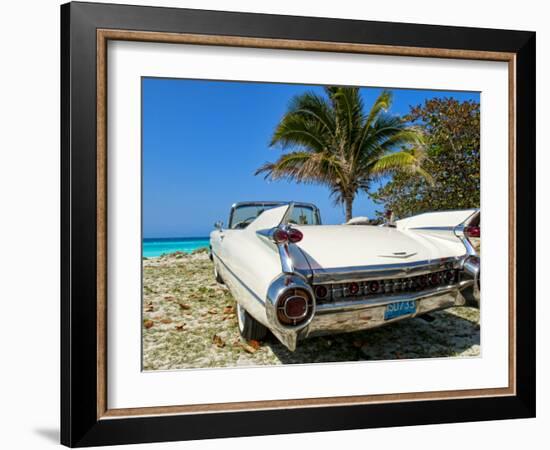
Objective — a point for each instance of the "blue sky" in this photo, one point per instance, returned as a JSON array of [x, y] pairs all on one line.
[[203, 141]]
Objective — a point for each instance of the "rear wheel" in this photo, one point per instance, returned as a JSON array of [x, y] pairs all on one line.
[[249, 327]]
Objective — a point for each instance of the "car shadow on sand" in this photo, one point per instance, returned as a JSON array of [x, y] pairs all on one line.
[[451, 333]]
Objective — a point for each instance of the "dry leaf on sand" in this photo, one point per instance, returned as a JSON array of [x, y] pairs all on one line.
[[248, 348], [255, 344], [218, 341]]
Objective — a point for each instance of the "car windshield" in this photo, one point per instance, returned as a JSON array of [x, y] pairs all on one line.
[[243, 215]]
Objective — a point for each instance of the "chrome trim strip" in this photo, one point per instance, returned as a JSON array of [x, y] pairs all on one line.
[[433, 228], [287, 265], [362, 303], [401, 255], [472, 267], [459, 232], [272, 202], [383, 271], [266, 234]]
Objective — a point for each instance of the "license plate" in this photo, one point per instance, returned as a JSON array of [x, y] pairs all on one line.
[[399, 309]]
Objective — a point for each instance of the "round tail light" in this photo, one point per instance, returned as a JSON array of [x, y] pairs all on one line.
[[282, 236], [321, 291], [374, 286], [472, 231], [295, 235], [353, 288], [423, 281], [294, 307]]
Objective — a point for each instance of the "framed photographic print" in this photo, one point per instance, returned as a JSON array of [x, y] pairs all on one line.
[[275, 224]]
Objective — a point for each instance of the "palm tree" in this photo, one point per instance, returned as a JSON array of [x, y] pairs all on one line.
[[333, 141]]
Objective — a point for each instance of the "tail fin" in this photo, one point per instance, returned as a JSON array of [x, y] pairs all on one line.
[[271, 218]]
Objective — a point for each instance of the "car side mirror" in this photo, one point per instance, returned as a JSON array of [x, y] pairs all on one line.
[[218, 225]]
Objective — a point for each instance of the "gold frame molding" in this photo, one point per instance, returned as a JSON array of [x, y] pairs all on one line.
[[103, 36]]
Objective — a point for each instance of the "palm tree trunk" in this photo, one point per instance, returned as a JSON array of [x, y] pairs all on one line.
[[349, 207]]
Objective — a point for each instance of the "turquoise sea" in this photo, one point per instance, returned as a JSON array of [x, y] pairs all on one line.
[[157, 246]]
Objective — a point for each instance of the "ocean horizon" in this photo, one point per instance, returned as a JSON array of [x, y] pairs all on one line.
[[153, 247]]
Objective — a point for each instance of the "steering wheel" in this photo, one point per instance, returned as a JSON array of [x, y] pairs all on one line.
[[244, 223]]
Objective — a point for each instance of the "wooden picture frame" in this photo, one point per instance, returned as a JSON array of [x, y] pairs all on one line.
[[85, 416]]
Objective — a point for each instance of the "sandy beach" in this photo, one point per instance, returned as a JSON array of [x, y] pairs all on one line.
[[189, 321]]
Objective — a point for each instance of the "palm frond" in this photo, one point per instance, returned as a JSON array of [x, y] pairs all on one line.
[[309, 124], [313, 107], [303, 167], [404, 161], [295, 131], [382, 104], [349, 106], [392, 134]]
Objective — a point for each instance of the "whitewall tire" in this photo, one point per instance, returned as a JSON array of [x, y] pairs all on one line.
[[249, 327]]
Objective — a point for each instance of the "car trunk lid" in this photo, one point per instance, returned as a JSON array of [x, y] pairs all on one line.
[[343, 246]]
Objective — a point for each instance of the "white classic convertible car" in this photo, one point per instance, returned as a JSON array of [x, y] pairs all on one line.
[[298, 278]]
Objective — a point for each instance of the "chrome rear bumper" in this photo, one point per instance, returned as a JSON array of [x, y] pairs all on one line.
[[347, 314], [364, 314]]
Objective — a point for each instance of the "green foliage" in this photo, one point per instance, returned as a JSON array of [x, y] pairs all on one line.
[[332, 140], [451, 130]]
